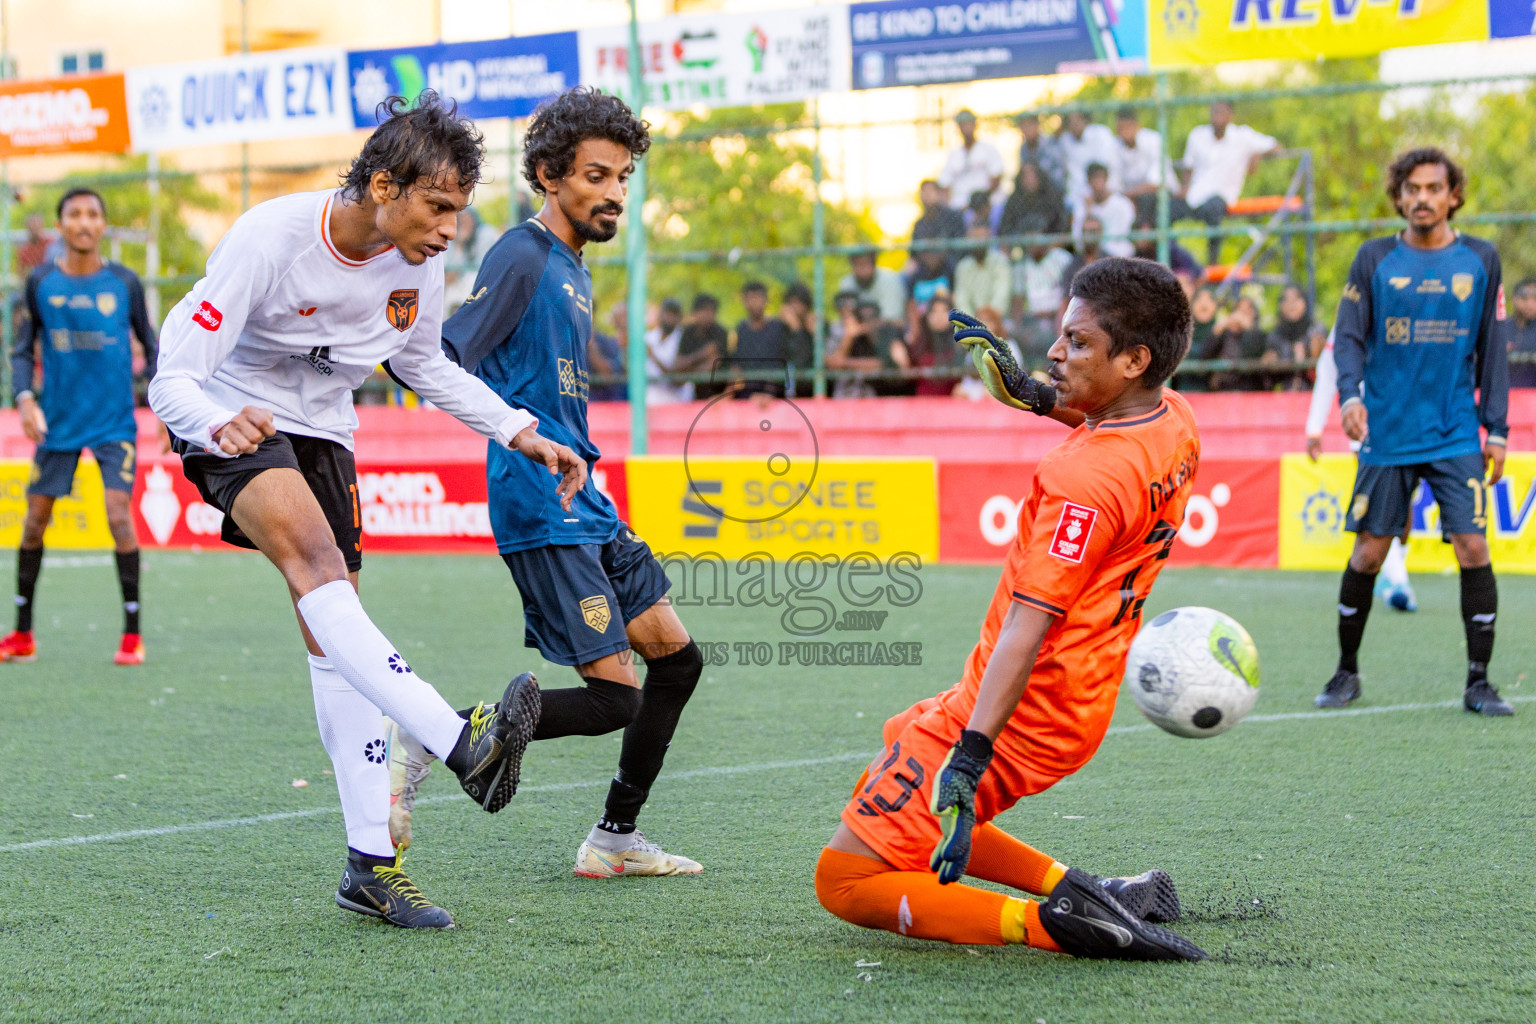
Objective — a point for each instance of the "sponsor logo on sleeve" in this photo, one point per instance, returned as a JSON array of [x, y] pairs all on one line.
[[1498, 309], [1351, 293], [1072, 531], [400, 311], [207, 317]]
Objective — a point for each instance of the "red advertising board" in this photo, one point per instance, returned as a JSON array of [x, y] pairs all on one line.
[[404, 507], [1232, 518]]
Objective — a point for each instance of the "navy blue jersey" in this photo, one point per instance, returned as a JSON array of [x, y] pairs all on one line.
[[524, 331], [81, 322], [1416, 329]]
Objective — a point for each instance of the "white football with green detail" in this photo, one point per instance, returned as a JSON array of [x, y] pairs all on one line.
[[1193, 671]]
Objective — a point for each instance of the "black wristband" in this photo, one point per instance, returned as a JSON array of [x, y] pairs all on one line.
[[975, 745]]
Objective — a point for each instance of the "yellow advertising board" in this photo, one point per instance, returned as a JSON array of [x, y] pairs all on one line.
[[1182, 33], [1314, 498], [79, 519], [784, 507]]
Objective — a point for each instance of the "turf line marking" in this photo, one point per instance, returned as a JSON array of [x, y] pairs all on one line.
[[694, 773], [315, 812]]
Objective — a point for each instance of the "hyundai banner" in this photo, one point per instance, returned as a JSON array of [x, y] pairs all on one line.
[[909, 42], [725, 60], [282, 94], [490, 78]]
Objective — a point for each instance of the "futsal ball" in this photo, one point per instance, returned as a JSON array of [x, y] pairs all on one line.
[[1193, 672]]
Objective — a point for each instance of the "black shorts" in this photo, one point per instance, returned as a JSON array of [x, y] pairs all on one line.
[[328, 468], [578, 598], [53, 473], [1383, 498]]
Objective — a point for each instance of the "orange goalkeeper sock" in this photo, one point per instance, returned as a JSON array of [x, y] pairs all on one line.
[[997, 856], [872, 894]]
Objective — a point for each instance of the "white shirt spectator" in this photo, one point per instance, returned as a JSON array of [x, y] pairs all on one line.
[[886, 290], [970, 170], [1218, 167], [663, 354], [1140, 166], [1117, 214], [1097, 146], [987, 282], [1042, 282]]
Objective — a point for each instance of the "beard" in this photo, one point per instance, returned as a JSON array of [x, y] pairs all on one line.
[[593, 230]]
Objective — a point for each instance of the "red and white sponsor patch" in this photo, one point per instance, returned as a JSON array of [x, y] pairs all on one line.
[[207, 317], [1072, 531], [1498, 312]]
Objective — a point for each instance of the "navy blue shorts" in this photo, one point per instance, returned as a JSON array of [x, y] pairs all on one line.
[[53, 473], [1383, 499], [577, 598]]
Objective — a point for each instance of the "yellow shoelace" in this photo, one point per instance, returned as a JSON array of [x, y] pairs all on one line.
[[393, 878], [480, 720]]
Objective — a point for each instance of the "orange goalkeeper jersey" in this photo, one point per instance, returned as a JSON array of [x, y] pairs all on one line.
[[1094, 532]]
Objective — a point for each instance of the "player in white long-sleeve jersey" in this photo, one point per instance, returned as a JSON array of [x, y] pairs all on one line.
[[303, 298], [1392, 584]]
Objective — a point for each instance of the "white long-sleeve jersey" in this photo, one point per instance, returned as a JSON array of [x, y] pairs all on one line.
[[1324, 388], [283, 321]]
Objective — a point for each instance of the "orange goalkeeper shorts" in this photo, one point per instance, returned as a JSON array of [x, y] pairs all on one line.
[[890, 808]]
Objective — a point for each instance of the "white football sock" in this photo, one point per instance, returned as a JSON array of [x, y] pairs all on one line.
[[352, 730], [1395, 566], [372, 665]]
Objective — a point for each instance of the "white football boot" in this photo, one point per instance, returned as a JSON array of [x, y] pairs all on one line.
[[409, 764], [607, 855]]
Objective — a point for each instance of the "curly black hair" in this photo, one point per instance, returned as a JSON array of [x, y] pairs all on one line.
[[1404, 165], [566, 121], [417, 145], [1138, 302]]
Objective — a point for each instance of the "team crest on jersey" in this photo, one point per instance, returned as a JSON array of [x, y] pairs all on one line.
[[106, 303], [1072, 531], [401, 308], [594, 612], [1397, 330], [1461, 286]]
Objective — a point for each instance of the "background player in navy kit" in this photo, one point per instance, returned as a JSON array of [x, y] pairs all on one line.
[[592, 591], [80, 310], [1417, 326]]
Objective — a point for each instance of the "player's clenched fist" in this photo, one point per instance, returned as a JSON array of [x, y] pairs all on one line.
[[562, 462], [1353, 420], [251, 426], [954, 803]]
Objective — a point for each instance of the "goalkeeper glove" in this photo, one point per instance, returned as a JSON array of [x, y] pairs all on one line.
[[1005, 379], [954, 803]]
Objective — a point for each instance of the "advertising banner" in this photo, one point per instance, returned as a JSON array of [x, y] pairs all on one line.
[[734, 507], [1182, 33], [1510, 18], [439, 508], [79, 519], [1231, 518], [723, 59], [281, 94], [1314, 498], [78, 114], [488, 78], [913, 42]]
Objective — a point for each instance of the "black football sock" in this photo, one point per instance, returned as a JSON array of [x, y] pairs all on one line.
[[366, 861], [669, 682], [599, 707], [1479, 608], [29, 562], [128, 579], [1355, 593]]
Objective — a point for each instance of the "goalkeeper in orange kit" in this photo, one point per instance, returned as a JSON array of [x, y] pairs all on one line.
[[1039, 688]]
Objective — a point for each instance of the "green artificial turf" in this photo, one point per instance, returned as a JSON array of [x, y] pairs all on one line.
[[1338, 867]]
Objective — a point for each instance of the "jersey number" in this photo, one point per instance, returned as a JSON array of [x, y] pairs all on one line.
[[908, 784]]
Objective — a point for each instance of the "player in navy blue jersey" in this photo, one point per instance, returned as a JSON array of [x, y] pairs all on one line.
[[80, 311], [593, 593], [1416, 328]]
